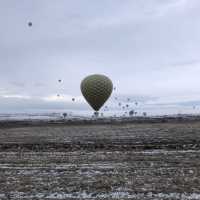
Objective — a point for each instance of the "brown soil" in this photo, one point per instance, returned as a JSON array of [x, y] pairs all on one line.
[[100, 161]]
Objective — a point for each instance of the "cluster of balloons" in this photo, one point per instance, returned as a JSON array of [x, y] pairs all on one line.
[[97, 89], [58, 95]]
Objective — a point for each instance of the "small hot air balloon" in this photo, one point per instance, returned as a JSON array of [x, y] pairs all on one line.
[[30, 24], [136, 103], [73, 99], [144, 114], [59, 80], [64, 115], [127, 105], [131, 113], [96, 89], [106, 108], [96, 114], [119, 104], [58, 95]]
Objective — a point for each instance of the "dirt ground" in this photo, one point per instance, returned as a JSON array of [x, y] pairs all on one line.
[[103, 161]]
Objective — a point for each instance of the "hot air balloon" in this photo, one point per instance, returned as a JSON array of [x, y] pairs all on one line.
[[131, 113], [96, 114], [64, 115], [73, 99], [30, 23], [59, 80], [144, 114], [96, 89]]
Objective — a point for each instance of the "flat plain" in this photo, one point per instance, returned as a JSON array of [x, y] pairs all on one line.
[[101, 161]]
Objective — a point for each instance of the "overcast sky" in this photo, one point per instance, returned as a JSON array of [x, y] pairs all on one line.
[[150, 50]]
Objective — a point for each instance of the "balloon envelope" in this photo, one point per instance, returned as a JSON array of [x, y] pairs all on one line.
[[96, 89]]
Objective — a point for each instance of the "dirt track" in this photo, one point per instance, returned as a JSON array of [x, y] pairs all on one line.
[[129, 161]]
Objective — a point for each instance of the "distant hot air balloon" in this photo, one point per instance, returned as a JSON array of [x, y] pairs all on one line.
[[144, 114], [106, 108], [58, 95], [64, 115], [96, 114], [119, 104], [30, 24], [96, 89], [73, 99], [131, 113], [59, 80], [136, 103]]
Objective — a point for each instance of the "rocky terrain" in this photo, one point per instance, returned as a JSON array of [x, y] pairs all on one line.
[[128, 160]]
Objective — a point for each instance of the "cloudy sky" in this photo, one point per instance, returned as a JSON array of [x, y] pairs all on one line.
[[150, 50]]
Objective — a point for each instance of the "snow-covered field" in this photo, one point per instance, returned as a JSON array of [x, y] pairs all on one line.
[[158, 161]]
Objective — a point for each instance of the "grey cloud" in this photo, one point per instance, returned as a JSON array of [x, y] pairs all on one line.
[[134, 98], [39, 84], [183, 63], [19, 104], [18, 84]]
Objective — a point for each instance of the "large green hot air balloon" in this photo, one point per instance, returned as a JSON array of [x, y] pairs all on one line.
[[96, 89]]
